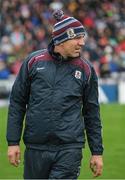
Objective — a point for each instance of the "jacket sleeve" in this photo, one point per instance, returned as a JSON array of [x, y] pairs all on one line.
[[17, 107], [91, 113]]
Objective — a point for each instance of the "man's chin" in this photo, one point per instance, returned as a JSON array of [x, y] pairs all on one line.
[[76, 55]]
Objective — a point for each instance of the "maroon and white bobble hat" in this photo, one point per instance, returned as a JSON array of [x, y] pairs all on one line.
[[66, 27]]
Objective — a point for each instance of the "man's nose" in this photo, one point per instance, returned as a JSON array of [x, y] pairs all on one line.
[[81, 41]]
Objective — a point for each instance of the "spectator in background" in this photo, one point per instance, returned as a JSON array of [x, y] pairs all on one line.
[[4, 72], [17, 37], [6, 46]]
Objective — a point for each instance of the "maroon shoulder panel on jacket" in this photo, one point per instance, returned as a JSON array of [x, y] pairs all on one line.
[[83, 64], [44, 56]]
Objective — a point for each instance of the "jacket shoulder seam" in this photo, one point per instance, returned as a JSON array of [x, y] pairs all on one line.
[[34, 56], [87, 68]]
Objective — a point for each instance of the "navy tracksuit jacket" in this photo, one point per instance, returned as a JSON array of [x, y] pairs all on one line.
[[59, 99]]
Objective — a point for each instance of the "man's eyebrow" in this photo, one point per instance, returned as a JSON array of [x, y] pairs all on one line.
[[79, 36]]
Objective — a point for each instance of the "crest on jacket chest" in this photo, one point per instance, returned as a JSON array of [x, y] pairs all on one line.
[[78, 74]]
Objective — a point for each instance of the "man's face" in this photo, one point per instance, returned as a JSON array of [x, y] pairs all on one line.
[[72, 47]]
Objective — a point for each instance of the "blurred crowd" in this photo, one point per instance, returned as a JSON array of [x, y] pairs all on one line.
[[26, 26]]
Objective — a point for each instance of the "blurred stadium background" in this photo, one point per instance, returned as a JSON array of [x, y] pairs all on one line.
[[25, 26]]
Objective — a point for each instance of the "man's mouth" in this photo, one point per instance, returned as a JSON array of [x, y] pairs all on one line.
[[78, 50]]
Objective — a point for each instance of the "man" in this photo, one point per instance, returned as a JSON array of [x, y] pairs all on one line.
[[57, 90]]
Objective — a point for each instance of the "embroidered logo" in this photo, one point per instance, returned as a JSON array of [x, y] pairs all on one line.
[[40, 68], [78, 74], [71, 33]]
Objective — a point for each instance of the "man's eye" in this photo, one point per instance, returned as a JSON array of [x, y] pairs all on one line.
[[77, 37]]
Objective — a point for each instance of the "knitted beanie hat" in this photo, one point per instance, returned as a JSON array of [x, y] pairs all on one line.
[[66, 27]]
